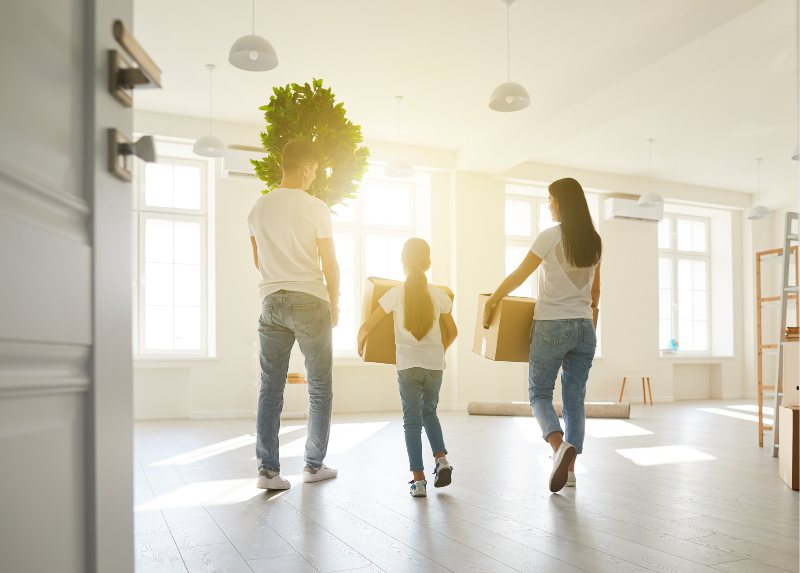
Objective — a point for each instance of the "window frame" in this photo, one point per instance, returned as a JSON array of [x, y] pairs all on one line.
[[360, 228], [536, 228], [675, 255], [142, 213]]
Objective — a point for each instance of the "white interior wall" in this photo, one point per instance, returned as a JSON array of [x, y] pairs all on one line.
[[468, 242]]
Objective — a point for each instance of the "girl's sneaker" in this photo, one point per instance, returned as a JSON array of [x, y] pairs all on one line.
[[561, 461], [418, 488], [570, 479], [442, 472]]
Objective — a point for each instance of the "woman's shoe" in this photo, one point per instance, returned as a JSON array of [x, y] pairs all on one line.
[[418, 488], [562, 459], [570, 479], [442, 472]]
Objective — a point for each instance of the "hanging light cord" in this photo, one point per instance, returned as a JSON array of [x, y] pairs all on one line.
[[508, 39], [650, 153], [254, 17], [210, 71], [758, 170], [399, 99]]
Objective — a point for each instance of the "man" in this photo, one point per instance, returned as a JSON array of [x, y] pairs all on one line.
[[291, 231]]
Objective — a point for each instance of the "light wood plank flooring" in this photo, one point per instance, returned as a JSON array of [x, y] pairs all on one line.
[[677, 488]]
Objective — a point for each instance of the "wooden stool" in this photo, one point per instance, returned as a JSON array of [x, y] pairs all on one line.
[[643, 392]]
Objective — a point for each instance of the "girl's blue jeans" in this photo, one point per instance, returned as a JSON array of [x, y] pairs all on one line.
[[419, 393], [570, 346]]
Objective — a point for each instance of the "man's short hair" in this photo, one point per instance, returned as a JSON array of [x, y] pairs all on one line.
[[297, 153]]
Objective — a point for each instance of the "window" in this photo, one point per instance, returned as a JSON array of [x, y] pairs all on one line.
[[525, 218], [170, 262], [683, 283], [369, 233]]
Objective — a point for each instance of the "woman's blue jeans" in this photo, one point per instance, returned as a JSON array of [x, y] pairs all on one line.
[[570, 346], [419, 393], [286, 316]]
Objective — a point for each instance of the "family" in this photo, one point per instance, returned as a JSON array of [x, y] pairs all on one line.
[[292, 238]]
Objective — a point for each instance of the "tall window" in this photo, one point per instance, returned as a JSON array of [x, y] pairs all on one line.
[[170, 276], [683, 283], [369, 233], [526, 217]]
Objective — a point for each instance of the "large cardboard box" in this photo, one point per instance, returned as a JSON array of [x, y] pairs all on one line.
[[788, 456], [791, 374], [380, 346], [508, 338]]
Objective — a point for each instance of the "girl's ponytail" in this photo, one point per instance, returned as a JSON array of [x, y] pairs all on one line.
[[418, 305]]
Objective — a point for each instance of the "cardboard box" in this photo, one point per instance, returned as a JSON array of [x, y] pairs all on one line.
[[380, 345], [791, 374], [508, 338], [788, 458]]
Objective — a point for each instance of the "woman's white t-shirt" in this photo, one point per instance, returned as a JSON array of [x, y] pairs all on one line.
[[564, 291], [412, 353]]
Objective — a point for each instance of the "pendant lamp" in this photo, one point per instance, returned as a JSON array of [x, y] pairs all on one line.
[[759, 211], [253, 53], [651, 198], [210, 145], [509, 96], [398, 168]]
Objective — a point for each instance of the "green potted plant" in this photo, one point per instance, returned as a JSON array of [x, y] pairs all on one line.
[[309, 112]]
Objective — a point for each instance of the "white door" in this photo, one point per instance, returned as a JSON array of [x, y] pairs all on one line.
[[65, 293]]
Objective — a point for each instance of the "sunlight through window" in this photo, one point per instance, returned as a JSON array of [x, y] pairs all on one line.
[[529, 428], [604, 428], [659, 455], [343, 438], [753, 408], [739, 415]]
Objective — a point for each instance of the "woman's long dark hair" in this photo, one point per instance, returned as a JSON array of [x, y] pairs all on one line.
[[417, 302], [582, 244]]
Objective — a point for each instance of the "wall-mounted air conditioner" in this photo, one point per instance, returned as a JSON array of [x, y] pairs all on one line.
[[236, 163], [627, 210]]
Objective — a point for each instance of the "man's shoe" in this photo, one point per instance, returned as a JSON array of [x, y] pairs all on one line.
[[318, 474], [268, 479], [442, 472], [418, 488], [561, 460]]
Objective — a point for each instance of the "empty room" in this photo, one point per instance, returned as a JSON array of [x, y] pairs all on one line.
[[485, 286]]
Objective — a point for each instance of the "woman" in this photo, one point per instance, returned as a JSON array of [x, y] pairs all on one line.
[[562, 335]]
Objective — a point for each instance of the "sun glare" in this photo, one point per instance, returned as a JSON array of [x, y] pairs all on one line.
[[739, 415], [605, 428], [659, 455]]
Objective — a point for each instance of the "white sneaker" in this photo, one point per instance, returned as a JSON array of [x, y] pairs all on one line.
[[418, 488], [268, 479], [561, 460], [570, 479], [442, 472], [318, 474]]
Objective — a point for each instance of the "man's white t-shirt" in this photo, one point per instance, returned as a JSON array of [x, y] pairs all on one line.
[[565, 291], [286, 224], [412, 353]]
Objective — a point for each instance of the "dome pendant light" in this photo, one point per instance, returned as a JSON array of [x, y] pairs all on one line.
[[759, 211], [398, 168], [253, 53], [509, 96], [210, 145], [651, 199]]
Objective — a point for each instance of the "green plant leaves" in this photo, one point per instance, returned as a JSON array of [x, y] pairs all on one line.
[[309, 112]]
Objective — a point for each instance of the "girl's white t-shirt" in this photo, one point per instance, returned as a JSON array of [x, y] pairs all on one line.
[[412, 353], [565, 291]]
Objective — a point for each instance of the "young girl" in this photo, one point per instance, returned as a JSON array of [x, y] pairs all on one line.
[[417, 307], [562, 335]]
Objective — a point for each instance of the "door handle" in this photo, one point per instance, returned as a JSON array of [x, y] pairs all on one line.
[[121, 151], [123, 76]]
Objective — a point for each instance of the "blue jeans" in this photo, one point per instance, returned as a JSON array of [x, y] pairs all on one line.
[[419, 393], [569, 345], [286, 315]]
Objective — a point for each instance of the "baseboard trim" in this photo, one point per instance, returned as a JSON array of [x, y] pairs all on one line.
[[220, 415]]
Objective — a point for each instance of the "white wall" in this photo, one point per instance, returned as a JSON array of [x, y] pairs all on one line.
[[468, 244]]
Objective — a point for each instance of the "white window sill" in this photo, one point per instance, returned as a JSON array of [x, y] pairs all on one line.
[[696, 357], [170, 361]]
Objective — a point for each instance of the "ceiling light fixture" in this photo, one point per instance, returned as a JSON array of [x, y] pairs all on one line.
[[759, 211], [651, 199], [253, 53], [398, 168], [509, 96], [210, 145]]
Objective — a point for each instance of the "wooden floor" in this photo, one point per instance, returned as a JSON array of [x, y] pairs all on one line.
[[677, 488]]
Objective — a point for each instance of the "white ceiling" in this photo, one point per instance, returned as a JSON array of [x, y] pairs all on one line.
[[714, 82]]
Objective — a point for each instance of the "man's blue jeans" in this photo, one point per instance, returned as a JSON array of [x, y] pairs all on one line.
[[569, 345], [286, 315], [419, 393]]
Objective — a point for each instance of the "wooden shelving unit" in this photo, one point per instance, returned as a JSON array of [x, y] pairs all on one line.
[[772, 256]]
